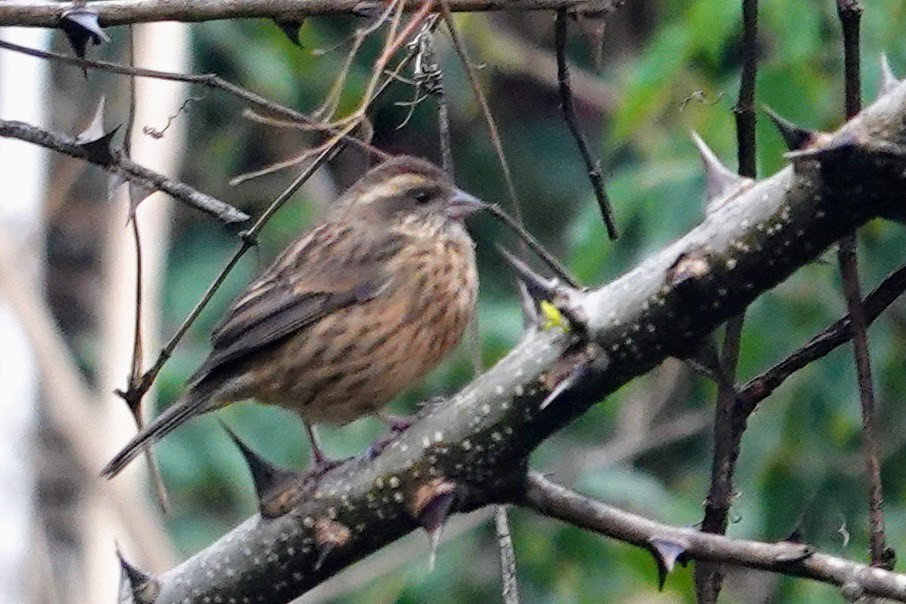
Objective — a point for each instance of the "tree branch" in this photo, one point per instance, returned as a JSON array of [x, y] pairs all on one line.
[[125, 168], [472, 449], [123, 12], [760, 387], [794, 559], [709, 577]]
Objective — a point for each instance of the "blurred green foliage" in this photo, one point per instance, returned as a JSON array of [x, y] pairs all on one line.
[[675, 67]]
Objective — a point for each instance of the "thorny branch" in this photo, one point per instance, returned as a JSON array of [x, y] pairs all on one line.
[[211, 81], [36, 13], [125, 168], [471, 450], [685, 544]]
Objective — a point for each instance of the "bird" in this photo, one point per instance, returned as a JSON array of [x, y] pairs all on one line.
[[350, 314]]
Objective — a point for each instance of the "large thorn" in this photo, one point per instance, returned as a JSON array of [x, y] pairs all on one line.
[[537, 286], [430, 505], [888, 80], [720, 179], [270, 481], [667, 552], [329, 535], [588, 361], [829, 149], [795, 137], [143, 587]]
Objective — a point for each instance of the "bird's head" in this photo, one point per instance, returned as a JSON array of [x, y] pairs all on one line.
[[406, 189]]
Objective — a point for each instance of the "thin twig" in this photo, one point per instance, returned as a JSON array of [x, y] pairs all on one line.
[[760, 387], [125, 168], [212, 81], [507, 556], [552, 263], [460, 48], [709, 577], [515, 222], [135, 371], [850, 13], [785, 558], [567, 104]]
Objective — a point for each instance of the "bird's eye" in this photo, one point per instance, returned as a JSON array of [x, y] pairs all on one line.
[[422, 197]]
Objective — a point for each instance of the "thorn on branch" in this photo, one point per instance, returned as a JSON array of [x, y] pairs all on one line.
[[275, 487], [143, 587], [81, 26], [689, 267], [828, 150], [537, 286], [329, 535], [94, 141], [795, 137], [889, 80], [667, 552], [591, 360], [552, 298], [431, 505], [722, 183], [291, 28]]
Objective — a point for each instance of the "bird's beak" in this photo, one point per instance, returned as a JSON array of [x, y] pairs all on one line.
[[462, 204]]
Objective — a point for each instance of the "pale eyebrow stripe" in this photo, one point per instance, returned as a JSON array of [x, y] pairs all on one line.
[[392, 187]]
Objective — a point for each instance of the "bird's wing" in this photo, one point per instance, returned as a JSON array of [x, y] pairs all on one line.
[[332, 267]]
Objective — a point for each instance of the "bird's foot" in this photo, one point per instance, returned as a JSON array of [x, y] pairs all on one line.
[[323, 464], [375, 448], [397, 423]]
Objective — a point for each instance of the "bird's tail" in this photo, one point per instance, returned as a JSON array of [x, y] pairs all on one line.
[[197, 401]]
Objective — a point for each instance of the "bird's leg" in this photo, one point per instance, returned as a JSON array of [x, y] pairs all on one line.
[[321, 462]]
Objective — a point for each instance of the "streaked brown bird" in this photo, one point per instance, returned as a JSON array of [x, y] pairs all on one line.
[[350, 314]]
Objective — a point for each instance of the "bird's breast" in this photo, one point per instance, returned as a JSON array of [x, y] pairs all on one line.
[[361, 357]]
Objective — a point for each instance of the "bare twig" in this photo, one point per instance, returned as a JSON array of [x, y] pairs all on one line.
[[211, 81], [515, 222], [572, 120], [709, 577], [760, 387], [135, 371], [507, 556], [850, 13], [125, 168], [460, 49], [549, 259], [785, 558]]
